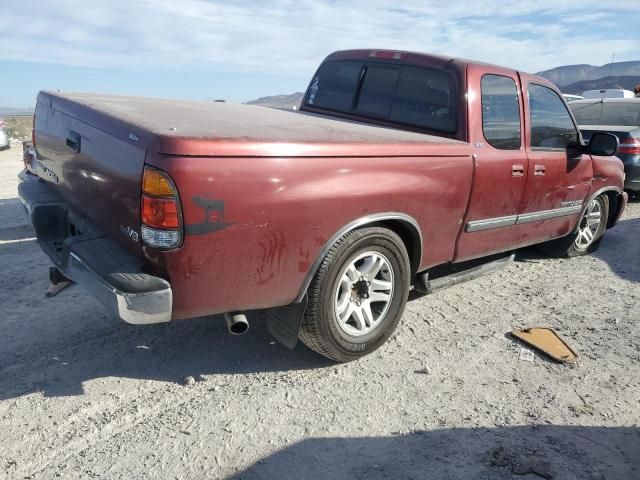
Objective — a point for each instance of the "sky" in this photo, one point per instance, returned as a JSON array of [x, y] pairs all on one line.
[[241, 50]]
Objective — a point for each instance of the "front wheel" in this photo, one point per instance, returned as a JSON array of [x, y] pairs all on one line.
[[587, 236], [358, 295]]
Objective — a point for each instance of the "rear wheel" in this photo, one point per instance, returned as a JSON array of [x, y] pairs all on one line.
[[587, 236], [358, 295]]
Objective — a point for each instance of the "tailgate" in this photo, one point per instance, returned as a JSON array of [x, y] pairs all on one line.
[[97, 174]]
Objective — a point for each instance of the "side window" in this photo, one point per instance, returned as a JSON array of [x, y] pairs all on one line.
[[425, 98], [551, 124], [500, 112]]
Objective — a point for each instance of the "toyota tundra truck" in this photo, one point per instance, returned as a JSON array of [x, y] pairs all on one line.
[[400, 170]]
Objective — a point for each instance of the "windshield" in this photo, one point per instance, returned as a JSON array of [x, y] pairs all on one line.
[[607, 113], [414, 96]]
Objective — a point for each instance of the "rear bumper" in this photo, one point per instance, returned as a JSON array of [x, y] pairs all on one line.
[[88, 257]]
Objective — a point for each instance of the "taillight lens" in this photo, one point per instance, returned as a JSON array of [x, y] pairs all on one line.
[[160, 210], [157, 184], [630, 146]]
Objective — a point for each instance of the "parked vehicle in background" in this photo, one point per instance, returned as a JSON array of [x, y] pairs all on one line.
[[400, 169], [571, 98], [4, 136], [608, 93], [620, 117]]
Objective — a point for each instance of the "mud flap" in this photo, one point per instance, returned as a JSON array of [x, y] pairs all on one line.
[[284, 323], [57, 282]]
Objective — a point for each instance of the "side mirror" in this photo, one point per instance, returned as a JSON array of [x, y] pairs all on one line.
[[604, 144]]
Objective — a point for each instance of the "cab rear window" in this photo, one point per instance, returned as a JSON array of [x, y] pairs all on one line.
[[414, 96]]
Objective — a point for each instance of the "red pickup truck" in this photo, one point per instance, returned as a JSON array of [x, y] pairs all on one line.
[[399, 170]]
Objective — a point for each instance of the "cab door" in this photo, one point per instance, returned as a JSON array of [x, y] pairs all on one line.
[[559, 175], [496, 133]]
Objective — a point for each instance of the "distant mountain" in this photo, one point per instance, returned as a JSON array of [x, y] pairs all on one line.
[[625, 82], [577, 78], [10, 111], [284, 102]]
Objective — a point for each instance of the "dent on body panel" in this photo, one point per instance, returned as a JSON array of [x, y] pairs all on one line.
[[607, 171]]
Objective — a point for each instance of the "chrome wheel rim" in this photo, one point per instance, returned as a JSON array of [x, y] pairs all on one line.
[[589, 225], [363, 294]]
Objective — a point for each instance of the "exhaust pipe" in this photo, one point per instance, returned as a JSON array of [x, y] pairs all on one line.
[[237, 323]]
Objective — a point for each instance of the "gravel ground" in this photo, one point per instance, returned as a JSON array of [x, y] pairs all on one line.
[[83, 395]]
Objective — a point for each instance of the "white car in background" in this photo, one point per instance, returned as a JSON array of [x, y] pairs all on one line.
[[4, 136], [568, 97], [608, 93]]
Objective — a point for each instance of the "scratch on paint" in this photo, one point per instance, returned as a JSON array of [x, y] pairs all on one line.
[[305, 261], [271, 256]]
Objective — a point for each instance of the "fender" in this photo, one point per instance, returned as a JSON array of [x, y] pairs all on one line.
[[585, 205], [355, 224]]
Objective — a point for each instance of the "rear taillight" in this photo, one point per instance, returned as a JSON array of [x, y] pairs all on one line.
[[630, 146], [160, 210]]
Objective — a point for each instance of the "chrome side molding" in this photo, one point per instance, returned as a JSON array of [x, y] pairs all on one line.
[[490, 223], [509, 221]]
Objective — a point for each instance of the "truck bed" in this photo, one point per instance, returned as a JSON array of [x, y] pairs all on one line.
[[183, 127]]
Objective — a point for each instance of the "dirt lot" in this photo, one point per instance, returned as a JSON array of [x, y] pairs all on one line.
[[83, 395]]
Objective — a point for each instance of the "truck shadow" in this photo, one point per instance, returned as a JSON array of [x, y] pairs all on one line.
[[564, 452], [58, 364], [619, 249]]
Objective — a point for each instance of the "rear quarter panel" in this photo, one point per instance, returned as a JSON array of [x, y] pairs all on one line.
[[269, 218]]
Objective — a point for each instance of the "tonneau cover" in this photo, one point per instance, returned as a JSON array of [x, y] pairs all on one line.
[[185, 127]]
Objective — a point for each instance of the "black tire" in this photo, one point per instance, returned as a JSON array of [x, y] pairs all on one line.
[[320, 328], [569, 246]]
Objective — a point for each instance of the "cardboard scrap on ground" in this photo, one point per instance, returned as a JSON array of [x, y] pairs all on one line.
[[548, 342]]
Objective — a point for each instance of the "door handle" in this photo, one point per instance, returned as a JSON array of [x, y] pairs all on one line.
[[517, 170], [540, 170], [73, 141]]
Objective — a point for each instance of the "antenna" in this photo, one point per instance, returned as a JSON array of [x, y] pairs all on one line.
[[613, 56]]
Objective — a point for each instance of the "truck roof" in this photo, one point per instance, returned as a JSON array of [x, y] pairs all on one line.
[[408, 57], [187, 127]]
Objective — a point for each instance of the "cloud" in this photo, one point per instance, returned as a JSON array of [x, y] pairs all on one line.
[[291, 37]]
